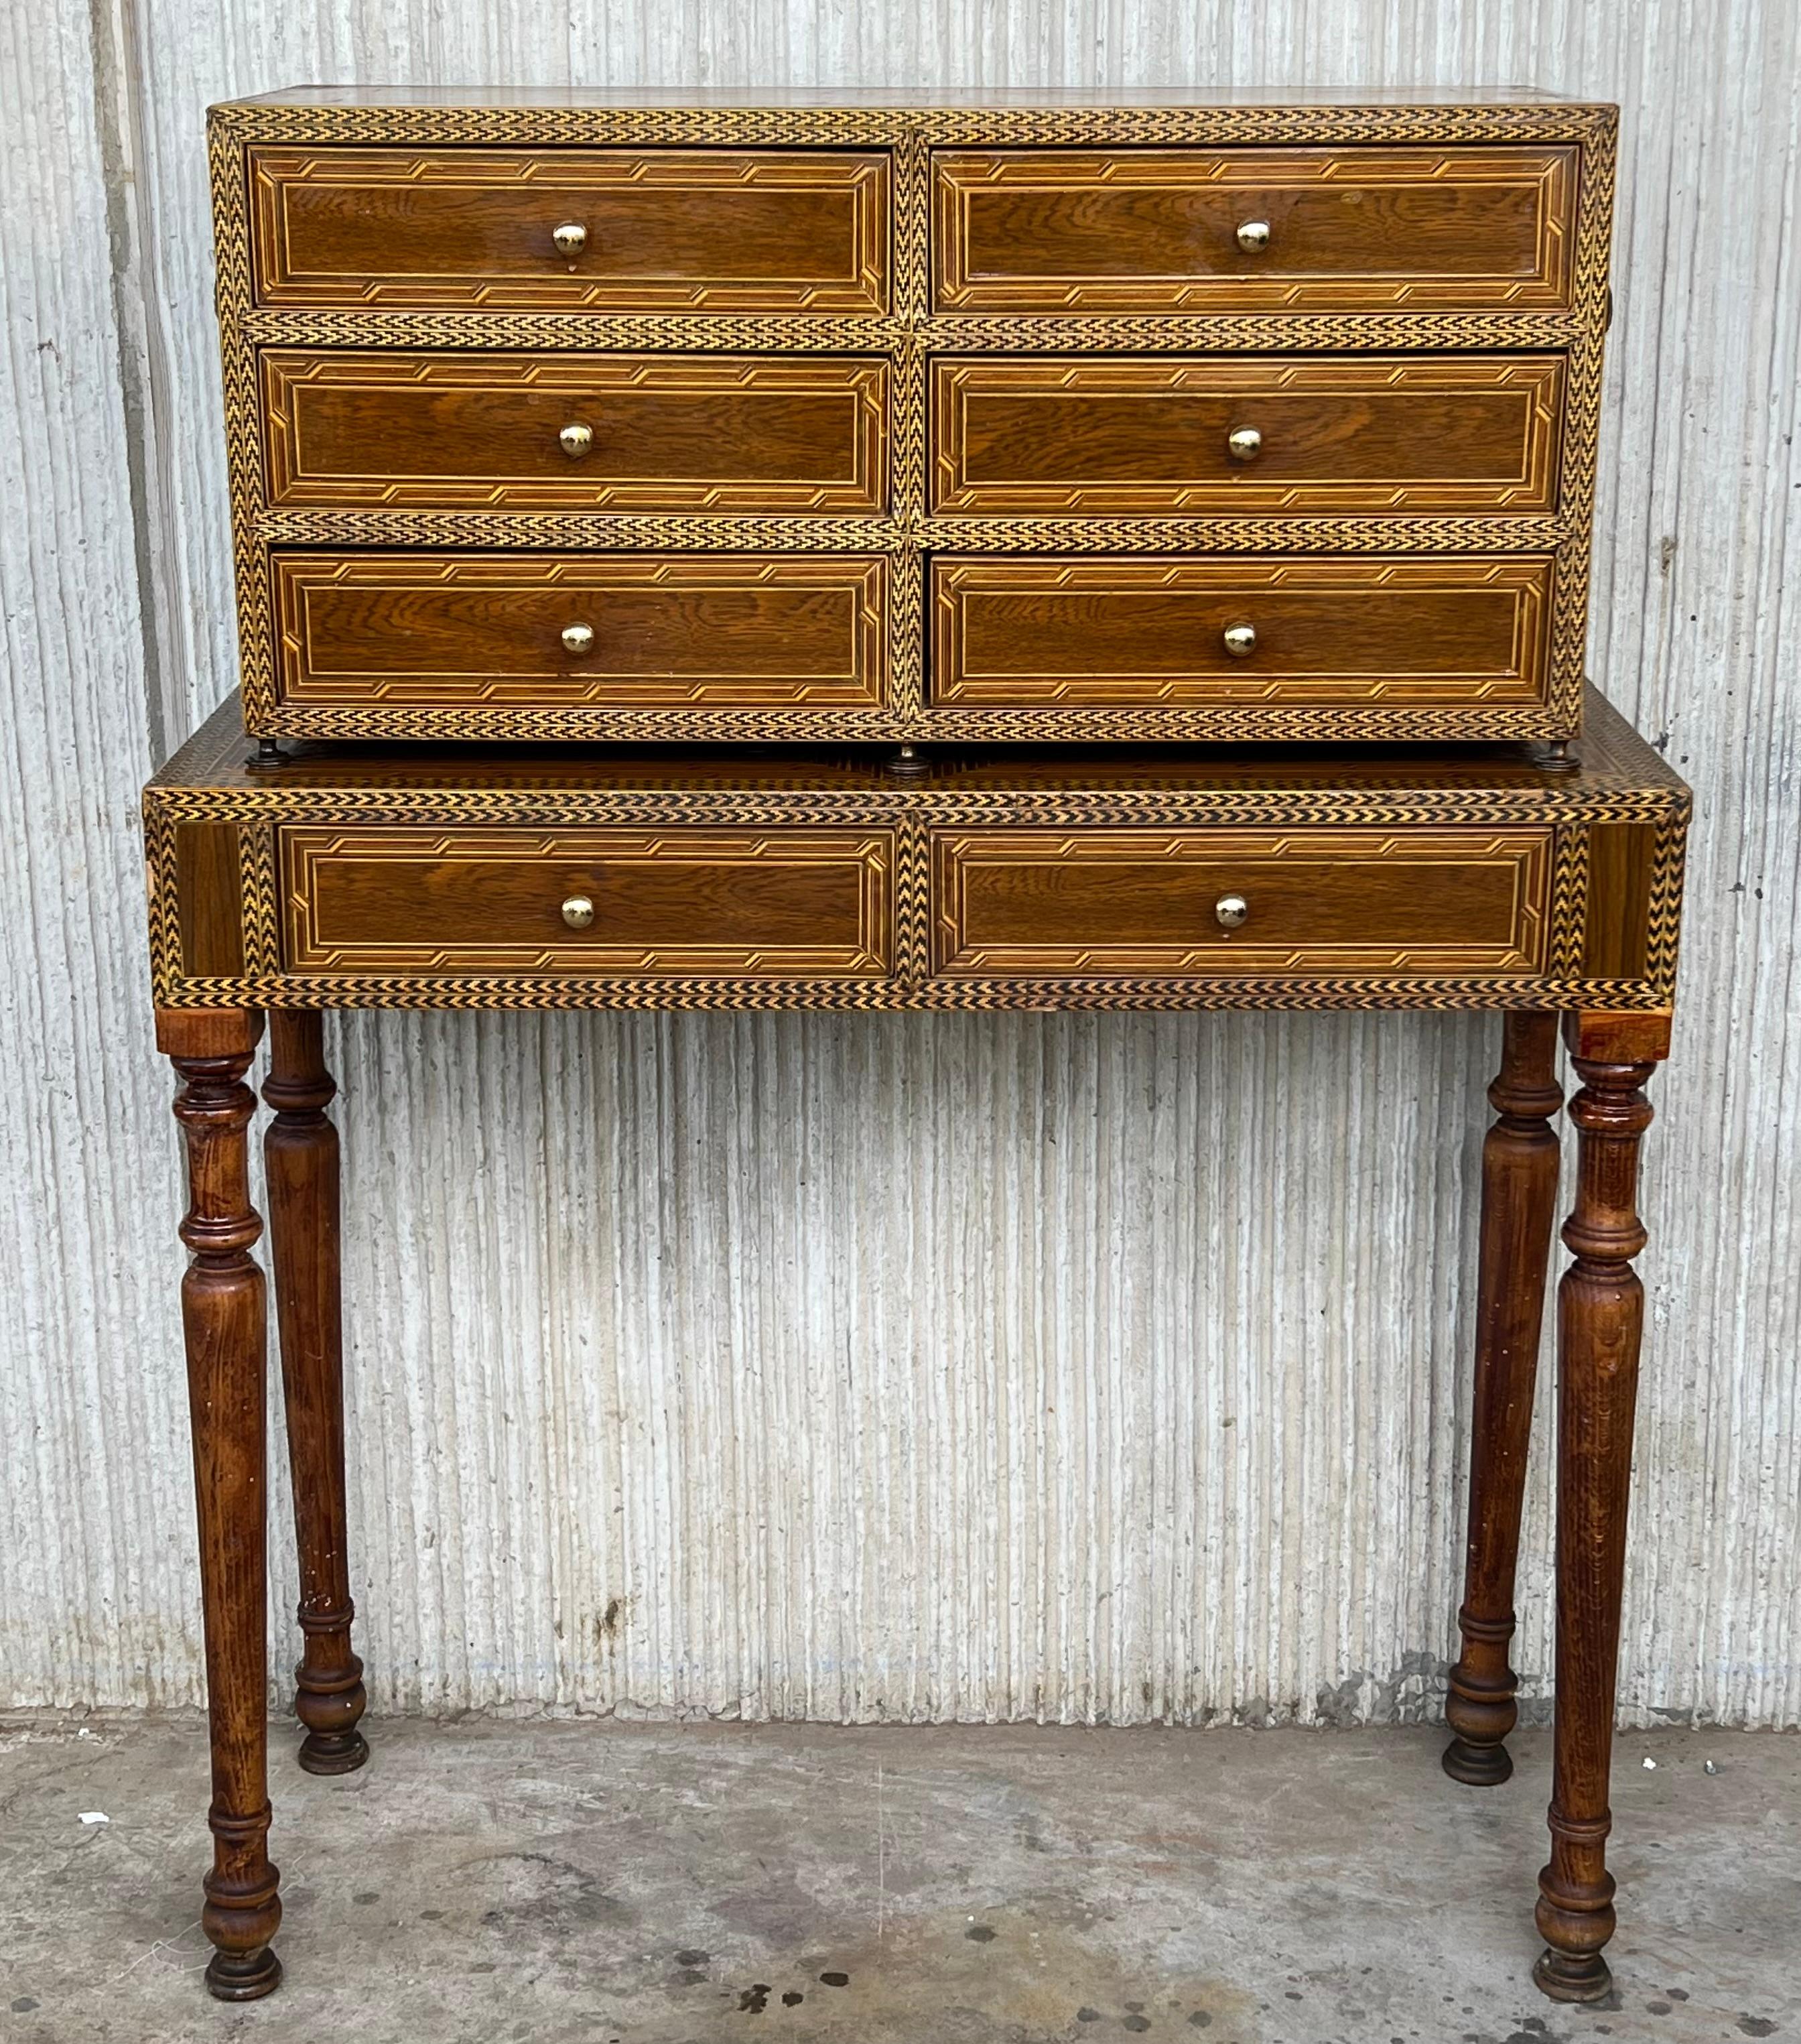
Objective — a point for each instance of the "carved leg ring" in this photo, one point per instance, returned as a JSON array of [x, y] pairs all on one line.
[[300, 1154], [1600, 1316], [1519, 1190], [223, 1318]]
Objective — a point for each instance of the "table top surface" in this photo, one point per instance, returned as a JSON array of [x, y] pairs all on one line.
[[1612, 760]]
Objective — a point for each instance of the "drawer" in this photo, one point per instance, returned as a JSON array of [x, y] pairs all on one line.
[[463, 430], [760, 904], [596, 631], [563, 230], [1252, 230], [1151, 435], [1084, 904], [1084, 630]]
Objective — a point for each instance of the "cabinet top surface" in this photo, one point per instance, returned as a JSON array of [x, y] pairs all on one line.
[[781, 98], [1613, 759]]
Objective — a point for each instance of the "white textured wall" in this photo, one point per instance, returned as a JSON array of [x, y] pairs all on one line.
[[917, 1367]]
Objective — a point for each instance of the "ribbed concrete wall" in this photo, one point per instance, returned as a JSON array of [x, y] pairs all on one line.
[[916, 1367]]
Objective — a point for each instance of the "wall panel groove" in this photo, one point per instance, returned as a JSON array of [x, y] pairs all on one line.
[[1077, 1368]]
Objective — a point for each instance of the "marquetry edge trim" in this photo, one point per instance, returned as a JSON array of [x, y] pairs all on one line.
[[910, 721], [898, 995], [943, 333], [237, 123]]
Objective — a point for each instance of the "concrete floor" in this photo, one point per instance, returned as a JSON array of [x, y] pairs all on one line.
[[615, 1884]]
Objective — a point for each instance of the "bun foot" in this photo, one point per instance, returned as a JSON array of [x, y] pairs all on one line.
[[1477, 1766], [244, 1976], [333, 1752], [1565, 1978]]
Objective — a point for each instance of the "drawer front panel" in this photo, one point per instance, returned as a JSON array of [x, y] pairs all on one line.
[[1084, 631], [674, 433], [1094, 903], [660, 230], [601, 631], [797, 903], [1150, 435], [1157, 230]]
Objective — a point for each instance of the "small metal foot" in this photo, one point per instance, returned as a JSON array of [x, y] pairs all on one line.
[[244, 1976], [1477, 1766], [906, 764], [267, 759], [1556, 758], [1565, 1978]]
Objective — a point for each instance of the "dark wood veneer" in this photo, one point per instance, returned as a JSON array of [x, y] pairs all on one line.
[[1145, 435], [673, 432], [1155, 230], [1079, 630], [667, 230]]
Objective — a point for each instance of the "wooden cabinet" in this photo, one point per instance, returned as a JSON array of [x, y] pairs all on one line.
[[1036, 383]]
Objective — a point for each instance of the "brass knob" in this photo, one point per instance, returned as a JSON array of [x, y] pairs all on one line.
[[578, 638], [578, 911], [1244, 443], [1241, 639], [575, 441], [1253, 236], [1230, 910], [571, 238]]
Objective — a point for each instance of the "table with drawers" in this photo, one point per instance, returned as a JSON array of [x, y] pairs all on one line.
[[901, 555]]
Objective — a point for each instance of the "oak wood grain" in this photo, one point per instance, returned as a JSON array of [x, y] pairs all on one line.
[[1148, 436], [223, 1315], [299, 1157], [1155, 230], [1600, 1323], [799, 901], [675, 433], [1519, 1189], [715, 631], [1024, 632], [668, 230], [1097, 901], [210, 892]]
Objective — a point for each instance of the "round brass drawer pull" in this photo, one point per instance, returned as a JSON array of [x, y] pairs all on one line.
[[1241, 639], [575, 439], [1230, 910], [571, 238], [578, 911], [578, 638], [1244, 443], [1253, 236]]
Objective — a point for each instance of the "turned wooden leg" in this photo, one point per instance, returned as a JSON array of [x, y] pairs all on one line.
[[300, 1152], [1519, 1191], [224, 1312], [1600, 1315]]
